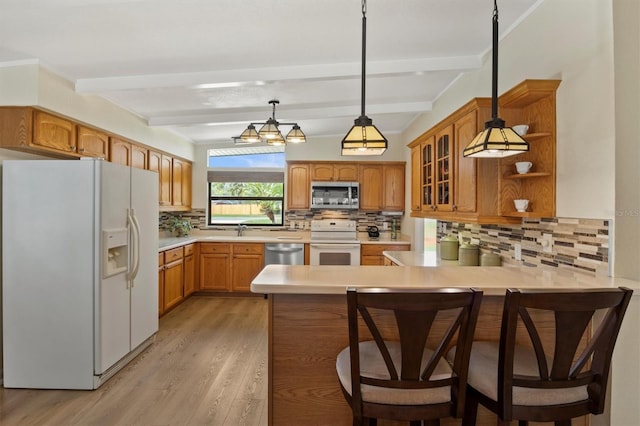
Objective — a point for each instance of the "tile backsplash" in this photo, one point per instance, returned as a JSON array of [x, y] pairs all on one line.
[[577, 244], [300, 219]]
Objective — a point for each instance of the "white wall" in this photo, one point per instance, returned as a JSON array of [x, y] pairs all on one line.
[[570, 40], [33, 85]]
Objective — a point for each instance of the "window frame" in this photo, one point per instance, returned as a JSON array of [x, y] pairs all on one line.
[[253, 176]]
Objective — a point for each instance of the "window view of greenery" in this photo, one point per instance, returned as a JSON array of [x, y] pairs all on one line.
[[247, 203], [246, 186]]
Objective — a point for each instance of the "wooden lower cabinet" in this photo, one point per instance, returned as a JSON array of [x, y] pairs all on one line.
[[189, 270], [160, 284], [247, 262], [214, 267], [226, 267], [173, 291], [176, 276], [371, 254]]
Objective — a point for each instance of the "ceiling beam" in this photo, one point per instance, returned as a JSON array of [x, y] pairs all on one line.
[[284, 115], [258, 76]]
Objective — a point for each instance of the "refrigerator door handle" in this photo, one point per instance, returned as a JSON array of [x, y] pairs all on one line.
[[135, 243]]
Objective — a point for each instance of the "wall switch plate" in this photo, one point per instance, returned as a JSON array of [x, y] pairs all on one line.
[[547, 243], [517, 251]]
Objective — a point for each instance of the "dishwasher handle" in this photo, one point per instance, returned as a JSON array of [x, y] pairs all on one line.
[[284, 249]]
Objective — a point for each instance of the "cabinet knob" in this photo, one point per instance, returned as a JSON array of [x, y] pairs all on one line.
[[454, 207]]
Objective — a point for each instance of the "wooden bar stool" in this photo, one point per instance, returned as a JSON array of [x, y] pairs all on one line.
[[402, 374], [534, 382]]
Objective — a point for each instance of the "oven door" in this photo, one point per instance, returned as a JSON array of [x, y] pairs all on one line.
[[334, 254]]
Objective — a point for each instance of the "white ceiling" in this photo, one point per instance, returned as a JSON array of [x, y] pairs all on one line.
[[206, 68]]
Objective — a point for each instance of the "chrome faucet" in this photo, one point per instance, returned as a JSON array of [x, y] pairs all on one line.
[[241, 228]]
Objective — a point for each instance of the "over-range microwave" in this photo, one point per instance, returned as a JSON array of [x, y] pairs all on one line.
[[335, 195]]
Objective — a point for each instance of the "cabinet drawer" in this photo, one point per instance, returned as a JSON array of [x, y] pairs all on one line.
[[207, 248], [377, 249], [188, 250], [160, 259], [372, 249], [173, 254], [248, 248]]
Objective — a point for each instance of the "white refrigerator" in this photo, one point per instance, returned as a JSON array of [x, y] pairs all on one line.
[[79, 270]]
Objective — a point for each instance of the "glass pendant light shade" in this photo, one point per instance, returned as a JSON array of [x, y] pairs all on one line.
[[296, 135], [496, 141], [269, 130], [364, 139], [276, 140], [250, 135]]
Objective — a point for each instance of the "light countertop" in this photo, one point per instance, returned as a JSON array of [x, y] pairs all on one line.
[[417, 258], [288, 279]]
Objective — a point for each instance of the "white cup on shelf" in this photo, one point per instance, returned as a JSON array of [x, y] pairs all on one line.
[[521, 129], [523, 167], [521, 205]]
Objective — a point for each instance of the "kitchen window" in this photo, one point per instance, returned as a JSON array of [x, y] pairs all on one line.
[[246, 187]]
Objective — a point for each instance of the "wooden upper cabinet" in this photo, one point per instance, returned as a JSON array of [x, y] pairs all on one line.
[[444, 169], [162, 164], [54, 132], [120, 151], [393, 191], [416, 184], [139, 157], [465, 182], [298, 186], [321, 172], [346, 172], [451, 187], [187, 183], [371, 179], [178, 178], [92, 142]]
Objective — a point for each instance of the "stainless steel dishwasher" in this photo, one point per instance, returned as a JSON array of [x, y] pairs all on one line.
[[284, 254]]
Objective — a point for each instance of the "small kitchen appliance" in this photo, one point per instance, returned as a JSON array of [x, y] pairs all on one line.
[[373, 232], [335, 195]]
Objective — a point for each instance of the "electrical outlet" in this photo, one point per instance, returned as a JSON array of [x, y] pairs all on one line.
[[547, 243], [517, 251]]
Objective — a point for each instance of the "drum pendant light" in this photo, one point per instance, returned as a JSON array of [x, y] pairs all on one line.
[[495, 140], [364, 138]]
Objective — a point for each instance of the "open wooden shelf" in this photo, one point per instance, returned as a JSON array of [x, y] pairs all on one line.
[[526, 175], [538, 135], [529, 214]]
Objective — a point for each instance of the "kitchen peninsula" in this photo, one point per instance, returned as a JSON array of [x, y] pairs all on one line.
[[308, 326]]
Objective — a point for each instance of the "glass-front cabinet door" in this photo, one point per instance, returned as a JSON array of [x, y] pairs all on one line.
[[427, 173], [444, 169]]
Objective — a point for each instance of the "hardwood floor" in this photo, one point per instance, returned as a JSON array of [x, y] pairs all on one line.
[[208, 366]]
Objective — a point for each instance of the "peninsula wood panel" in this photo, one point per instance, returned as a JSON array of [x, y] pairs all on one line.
[[303, 385]]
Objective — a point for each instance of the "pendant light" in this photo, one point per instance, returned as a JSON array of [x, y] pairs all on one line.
[[495, 140], [270, 131], [364, 138]]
